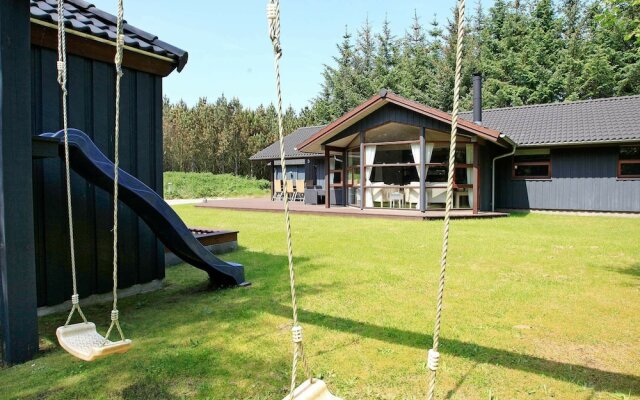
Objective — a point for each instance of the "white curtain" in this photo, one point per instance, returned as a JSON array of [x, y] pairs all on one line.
[[369, 157], [415, 150], [469, 160], [428, 160], [429, 151]]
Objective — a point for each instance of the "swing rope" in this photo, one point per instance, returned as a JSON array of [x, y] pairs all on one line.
[[62, 81], [273, 16], [433, 355], [116, 163]]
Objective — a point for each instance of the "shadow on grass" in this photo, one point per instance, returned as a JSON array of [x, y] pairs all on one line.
[[166, 320], [633, 270], [148, 390], [517, 213], [451, 393], [577, 374], [269, 274]]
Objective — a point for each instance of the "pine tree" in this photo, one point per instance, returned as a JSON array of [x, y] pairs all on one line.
[[364, 61], [386, 59], [416, 69]]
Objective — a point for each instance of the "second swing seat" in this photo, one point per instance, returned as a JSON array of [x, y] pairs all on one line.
[[83, 341], [312, 391]]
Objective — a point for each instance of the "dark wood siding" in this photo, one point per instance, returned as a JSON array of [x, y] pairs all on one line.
[[583, 178], [91, 109]]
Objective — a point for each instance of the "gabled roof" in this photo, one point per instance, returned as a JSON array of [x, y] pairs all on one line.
[[611, 120], [381, 99], [85, 18], [291, 141]]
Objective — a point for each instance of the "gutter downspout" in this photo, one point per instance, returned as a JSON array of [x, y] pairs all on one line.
[[493, 169]]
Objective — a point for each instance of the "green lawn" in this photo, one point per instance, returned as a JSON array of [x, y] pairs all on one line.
[[196, 185], [537, 307]]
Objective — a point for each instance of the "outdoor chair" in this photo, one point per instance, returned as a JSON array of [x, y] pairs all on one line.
[[412, 196], [437, 195], [299, 196], [291, 193], [277, 190], [378, 195]]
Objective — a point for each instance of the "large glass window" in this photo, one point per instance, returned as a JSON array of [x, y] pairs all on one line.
[[392, 174], [532, 164], [437, 165], [335, 171], [629, 162], [391, 162]]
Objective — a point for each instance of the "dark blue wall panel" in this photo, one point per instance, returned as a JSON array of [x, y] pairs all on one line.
[[583, 178], [92, 109]]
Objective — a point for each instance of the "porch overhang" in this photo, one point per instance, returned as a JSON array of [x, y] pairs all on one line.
[[316, 142]]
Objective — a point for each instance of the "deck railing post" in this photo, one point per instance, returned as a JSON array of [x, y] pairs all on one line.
[[345, 184], [327, 177], [476, 179], [362, 171], [423, 169], [273, 178]]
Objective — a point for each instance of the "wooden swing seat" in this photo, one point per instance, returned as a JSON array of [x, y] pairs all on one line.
[[84, 342], [312, 391]]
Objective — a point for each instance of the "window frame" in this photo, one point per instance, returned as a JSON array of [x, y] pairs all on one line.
[[547, 163], [619, 174]]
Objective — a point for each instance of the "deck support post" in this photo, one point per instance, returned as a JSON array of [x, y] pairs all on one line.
[[18, 296], [327, 182], [362, 170], [476, 179], [273, 178], [423, 170], [345, 185]]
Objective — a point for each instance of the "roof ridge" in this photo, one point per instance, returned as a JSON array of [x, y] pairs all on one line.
[[311, 126], [559, 104]]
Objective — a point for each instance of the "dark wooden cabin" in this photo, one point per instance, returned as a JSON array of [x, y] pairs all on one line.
[[35, 263]]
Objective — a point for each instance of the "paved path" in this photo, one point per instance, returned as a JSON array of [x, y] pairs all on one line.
[[174, 202]]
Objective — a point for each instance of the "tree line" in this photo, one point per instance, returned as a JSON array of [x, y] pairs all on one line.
[[220, 137], [529, 52]]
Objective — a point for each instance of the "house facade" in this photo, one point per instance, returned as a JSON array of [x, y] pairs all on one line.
[[391, 152]]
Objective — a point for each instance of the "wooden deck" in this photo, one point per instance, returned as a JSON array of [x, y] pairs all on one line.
[[267, 205]]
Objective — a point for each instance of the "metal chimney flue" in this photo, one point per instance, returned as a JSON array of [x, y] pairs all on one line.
[[477, 98]]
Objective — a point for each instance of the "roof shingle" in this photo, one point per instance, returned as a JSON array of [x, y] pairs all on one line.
[[86, 18], [615, 119], [611, 120], [291, 141]]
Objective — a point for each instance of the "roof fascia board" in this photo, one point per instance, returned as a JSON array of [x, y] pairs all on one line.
[[348, 118], [384, 98], [101, 40]]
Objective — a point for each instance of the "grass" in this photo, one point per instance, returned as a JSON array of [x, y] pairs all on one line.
[[536, 307], [196, 185]]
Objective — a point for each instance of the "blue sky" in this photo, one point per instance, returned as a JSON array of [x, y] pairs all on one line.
[[230, 53]]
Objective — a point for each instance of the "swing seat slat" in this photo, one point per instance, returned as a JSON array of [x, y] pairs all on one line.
[[312, 391], [84, 342]]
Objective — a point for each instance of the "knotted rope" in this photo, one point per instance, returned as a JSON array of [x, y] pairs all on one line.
[[434, 355], [116, 165], [61, 66], [273, 16]]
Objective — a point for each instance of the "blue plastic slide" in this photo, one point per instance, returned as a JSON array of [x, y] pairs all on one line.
[[90, 163]]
